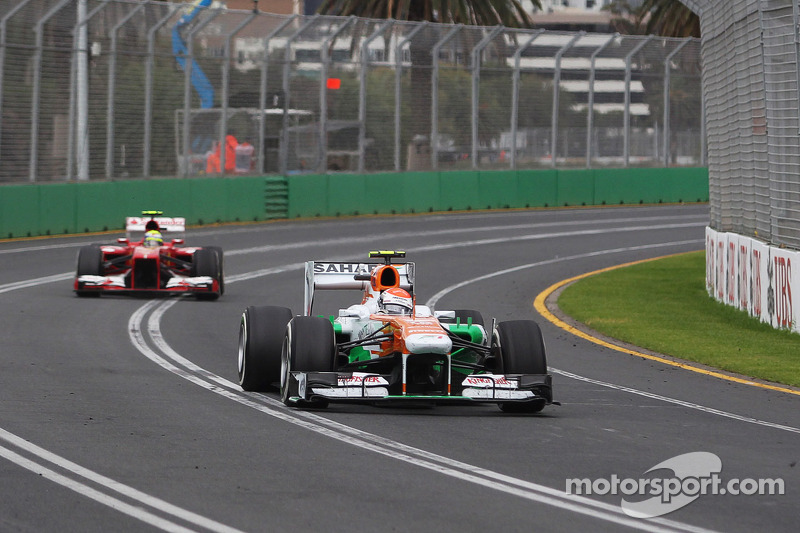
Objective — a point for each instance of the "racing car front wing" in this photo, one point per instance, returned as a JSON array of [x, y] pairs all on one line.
[[117, 283], [477, 388]]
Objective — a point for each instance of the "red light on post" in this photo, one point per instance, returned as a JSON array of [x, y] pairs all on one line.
[[334, 83]]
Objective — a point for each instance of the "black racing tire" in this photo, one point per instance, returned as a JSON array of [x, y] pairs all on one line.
[[206, 262], [261, 333], [519, 346], [310, 346], [90, 263], [221, 262]]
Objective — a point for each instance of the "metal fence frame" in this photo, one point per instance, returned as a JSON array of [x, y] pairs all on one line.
[[103, 106]]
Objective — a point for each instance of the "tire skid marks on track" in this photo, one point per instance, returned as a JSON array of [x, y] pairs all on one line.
[[367, 441]]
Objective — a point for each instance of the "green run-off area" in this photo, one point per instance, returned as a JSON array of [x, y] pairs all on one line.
[[663, 306]]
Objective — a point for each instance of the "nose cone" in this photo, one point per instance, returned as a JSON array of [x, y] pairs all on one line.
[[428, 343]]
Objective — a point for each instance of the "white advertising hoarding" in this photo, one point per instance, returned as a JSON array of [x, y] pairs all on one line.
[[752, 276]]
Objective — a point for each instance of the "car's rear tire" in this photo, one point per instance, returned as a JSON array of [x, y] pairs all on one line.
[[206, 262], [261, 333], [310, 346], [90, 263], [519, 346]]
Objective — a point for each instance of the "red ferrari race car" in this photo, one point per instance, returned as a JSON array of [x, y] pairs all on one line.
[[152, 258], [388, 348]]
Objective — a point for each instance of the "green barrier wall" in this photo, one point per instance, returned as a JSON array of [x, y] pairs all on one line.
[[64, 208]]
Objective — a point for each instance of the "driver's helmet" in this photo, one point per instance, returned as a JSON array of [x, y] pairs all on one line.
[[153, 238], [395, 301]]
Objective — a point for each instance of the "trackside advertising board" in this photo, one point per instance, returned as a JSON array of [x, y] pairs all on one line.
[[752, 276]]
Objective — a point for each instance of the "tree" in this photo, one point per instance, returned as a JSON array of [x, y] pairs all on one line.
[[472, 12], [667, 18], [670, 18]]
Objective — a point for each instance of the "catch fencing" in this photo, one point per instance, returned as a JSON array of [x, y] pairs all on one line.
[[751, 52], [114, 89]]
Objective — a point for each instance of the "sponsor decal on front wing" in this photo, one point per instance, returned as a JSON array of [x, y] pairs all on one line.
[[359, 385], [102, 281], [493, 387], [491, 381], [199, 281]]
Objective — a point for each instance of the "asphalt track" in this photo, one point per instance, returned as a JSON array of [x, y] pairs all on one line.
[[123, 413]]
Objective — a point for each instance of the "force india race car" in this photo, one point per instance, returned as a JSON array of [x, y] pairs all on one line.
[[374, 353], [151, 258]]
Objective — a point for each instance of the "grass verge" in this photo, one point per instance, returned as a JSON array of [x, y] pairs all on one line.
[[663, 306]]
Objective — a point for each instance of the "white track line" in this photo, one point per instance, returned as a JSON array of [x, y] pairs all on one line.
[[310, 421], [133, 510], [368, 441]]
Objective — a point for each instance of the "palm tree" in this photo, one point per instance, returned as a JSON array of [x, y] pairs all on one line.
[[667, 18], [670, 18], [472, 12]]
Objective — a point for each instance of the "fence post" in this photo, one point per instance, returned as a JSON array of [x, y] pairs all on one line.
[[556, 99], [515, 95], [226, 70], [187, 90], [284, 144], [148, 87], [323, 94], [434, 140], [362, 92], [262, 98], [398, 59], [476, 77], [590, 103], [79, 94], [627, 113], [3, 32], [37, 87], [667, 78], [112, 81]]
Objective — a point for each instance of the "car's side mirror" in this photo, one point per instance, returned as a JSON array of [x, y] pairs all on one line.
[[177, 241], [123, 240]]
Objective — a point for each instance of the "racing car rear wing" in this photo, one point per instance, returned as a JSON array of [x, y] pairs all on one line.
[[348, 276], [167, 224]]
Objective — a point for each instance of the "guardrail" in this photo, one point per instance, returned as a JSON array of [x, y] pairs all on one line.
[[80, 207]]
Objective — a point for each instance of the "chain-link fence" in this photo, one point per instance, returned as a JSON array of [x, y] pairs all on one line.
[[96, 89], [751, 75]]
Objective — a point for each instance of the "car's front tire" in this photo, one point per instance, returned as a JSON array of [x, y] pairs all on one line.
[[519, 345], [90, 263], [261, 332], [221, 270], [309, 346], [207, 262]]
